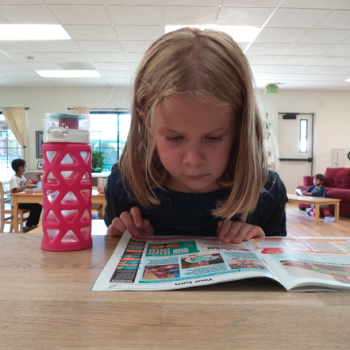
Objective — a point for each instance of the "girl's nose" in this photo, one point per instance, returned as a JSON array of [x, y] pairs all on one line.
[[193, 155]]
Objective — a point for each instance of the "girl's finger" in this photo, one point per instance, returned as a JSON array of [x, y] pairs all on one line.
[[128, 221], [136, 216]]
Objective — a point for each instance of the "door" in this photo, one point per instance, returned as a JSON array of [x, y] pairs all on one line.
[[295, 140]]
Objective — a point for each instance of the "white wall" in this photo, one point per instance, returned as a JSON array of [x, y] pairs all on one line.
[[332, 112], [332, 119], [45, 100]]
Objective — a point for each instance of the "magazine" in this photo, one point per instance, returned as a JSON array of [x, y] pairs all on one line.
[[165, 263]]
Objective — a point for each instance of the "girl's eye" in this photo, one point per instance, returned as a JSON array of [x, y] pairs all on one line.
[[173, 138], [213, 139]]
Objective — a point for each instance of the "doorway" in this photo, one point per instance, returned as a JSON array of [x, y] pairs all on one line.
[[295, 140]]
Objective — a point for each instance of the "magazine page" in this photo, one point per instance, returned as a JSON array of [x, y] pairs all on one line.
[[164, 263], [308, 264]]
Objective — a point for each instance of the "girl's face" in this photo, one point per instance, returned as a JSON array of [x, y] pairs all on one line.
[[194, 140]]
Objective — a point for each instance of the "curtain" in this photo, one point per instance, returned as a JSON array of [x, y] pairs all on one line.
[[82, 110], [16, 120]]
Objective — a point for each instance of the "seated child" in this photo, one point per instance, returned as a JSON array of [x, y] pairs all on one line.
[[317, 190], [17, 184]]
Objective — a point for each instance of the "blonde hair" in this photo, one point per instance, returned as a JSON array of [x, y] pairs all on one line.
[[208, 65]]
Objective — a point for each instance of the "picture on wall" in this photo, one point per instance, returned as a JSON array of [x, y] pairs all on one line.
[[39, 144]]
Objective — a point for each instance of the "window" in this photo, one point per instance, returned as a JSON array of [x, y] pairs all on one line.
[[108, 133], [303, 136], [10, 149]]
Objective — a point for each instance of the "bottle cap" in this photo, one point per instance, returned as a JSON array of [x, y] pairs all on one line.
[[59, 127]]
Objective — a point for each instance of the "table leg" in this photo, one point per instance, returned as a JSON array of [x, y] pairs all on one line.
[[15, 214], [317, 214], [336, 212]]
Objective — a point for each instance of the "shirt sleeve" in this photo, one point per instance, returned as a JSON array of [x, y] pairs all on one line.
[[318, 192], [13, 183], [270, 213]]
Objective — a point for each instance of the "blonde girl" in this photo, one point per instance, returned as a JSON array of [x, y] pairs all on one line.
[[194, 162]]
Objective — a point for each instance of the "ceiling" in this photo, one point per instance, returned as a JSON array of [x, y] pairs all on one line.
[[303, 44]]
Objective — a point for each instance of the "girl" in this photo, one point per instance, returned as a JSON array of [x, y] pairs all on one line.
[[194, 162]]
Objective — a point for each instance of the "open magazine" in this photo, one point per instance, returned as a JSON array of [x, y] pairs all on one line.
[[165, 263]]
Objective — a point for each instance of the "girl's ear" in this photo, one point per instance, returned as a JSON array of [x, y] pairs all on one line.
[[144, 119]]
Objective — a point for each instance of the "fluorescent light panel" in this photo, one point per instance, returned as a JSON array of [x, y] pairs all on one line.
[[68, 73], [239, 33], [348, 80], [33, 32]]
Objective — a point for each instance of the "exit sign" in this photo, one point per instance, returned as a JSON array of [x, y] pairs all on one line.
[[271, 89]]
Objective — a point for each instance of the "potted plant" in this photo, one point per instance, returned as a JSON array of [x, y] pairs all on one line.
[[98, 161]]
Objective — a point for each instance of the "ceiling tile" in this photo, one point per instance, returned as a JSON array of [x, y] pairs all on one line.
[[243, 16], [18, 46], [133, 2], [21, 74], [74, 14], [281, 35], [9, 82], [6, 58], [116, 74], [135, 15], [23, 57], [308, 49], [325, 36], [100, 46], [111, 66], [254, 3], [297, 18], [339, 50], [67, 57], [316, 69], [135, 46], [57, 46], [35, 82], [336, 20], [262, 59], [330, 61], [28, 14], [281, 69], [295, 60], [134, 57], [74, 2], [119, 81], [190, 15], [139, 32], [192, 2], [315, 4], [89, 32], [267, 48], [4, 66], [106, 57], [42, 66]]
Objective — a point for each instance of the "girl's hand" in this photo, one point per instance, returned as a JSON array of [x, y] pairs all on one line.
[[236, 232], [132, 222]]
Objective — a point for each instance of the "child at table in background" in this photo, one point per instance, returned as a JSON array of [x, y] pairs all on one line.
[[317, 190], [194, 162], [17, 184]]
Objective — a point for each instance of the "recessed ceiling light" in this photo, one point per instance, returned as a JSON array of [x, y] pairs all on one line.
[[68, 73], [33, 32], [240, 34]]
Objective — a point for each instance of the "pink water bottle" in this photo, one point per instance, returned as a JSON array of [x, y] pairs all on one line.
[[66, 183]]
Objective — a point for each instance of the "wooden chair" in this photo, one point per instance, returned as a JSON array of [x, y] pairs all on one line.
[[6, 212]]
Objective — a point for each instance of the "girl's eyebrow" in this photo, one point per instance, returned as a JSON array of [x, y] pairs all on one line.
[[169, 129]]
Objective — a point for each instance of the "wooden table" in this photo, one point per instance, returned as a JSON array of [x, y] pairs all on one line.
[[37, 197], [46, 303], [317, 201]]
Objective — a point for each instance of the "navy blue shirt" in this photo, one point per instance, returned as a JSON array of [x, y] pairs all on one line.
[[189, 214]]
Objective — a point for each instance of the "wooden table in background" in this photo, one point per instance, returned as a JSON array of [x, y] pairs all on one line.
[[37, 197], [46, 303], [317, 201]]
